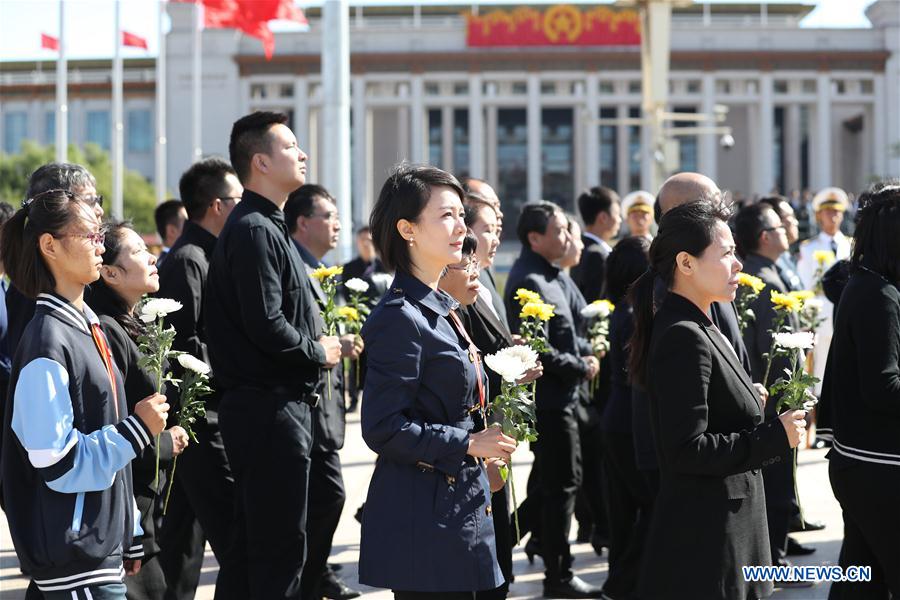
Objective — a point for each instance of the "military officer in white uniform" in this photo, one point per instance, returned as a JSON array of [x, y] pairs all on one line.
[[637, 207], [817, 254]]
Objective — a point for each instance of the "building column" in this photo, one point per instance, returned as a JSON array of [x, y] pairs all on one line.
[[476, 128], [623, 152], [592, 131], [766, 141], [533, 120], [491, 169], [301, 110], [417, 127], [822, 173], [879, 126], [403, 118], [447, 138], [362, 157], [791, 140], [707, 152]]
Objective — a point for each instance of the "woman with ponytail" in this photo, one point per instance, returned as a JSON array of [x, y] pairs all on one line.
[[709, 519], [68, 438]]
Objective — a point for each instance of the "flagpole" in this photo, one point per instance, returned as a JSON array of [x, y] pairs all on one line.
[[160, 175], [118, 155], [62, 106], [196, 131]]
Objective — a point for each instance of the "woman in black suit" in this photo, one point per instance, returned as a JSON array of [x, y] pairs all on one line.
[[862, 382], [709, 519], [129, 272]]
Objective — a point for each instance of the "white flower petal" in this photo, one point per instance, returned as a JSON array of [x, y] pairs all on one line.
[[356, 285], [192, 363]]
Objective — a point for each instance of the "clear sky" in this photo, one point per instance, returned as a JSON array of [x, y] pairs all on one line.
[[89, 23]]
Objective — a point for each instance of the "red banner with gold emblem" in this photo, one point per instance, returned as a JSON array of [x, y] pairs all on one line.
[[561, 25]]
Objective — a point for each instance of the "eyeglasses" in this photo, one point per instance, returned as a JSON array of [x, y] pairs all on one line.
[[96, 238], [470, 267], [92, 200]]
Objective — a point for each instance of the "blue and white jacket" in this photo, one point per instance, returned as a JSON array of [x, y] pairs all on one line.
[[67, 445]]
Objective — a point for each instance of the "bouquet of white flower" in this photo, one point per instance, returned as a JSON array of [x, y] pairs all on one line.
[[513, 403], [193, 386], [598, 312], [155, 345]]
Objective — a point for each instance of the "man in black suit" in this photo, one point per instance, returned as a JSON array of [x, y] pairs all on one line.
[[568, 361], [484, 193], [312, 220], [761, 239], [201, 506], [602, 217]]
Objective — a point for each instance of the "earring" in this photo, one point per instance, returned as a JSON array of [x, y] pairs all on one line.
[[412, 241]]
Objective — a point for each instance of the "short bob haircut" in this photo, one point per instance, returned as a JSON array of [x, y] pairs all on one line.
[[403, 196], [876, 243]]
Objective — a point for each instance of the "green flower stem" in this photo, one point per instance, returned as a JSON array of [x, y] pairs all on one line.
[[171, 481], [797, 491], [512, 488], [776, 328]]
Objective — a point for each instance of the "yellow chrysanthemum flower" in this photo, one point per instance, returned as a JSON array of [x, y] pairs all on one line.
[[824, 257], [750, 281], [348, 313], [525, 296], [802, 295], [609, 305], [786, 302], [323, 273], [537, 310]]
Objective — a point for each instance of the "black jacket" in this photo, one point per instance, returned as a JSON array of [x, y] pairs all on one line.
[[590, 272], [709, 518], [617, 412], [259, 306], [564, 369], [489, 335], [863, 375], [330, 413]]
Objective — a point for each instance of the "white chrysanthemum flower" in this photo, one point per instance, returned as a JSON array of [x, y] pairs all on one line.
[[802, 340], [357, 285], [158, 307], [816, 303], [595, 309], [525, 353], [192, 363], [509, 363]]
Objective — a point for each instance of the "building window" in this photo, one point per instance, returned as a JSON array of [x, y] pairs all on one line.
[[460, 89], [15, 131], [809, 86], [634, 151], [693, 86], [435, 137], [548, 88], [50, 127], [780, 86], [432, 89], [609, 155], [607, 87], [258, 91], [557, 156], [687, 146], [139, 131], [723, 86], [461, 142], [519, 88], [634, 87], [98, 128], [751, 86], [286, 90], [867, 86], [839, 86], [512, 164]]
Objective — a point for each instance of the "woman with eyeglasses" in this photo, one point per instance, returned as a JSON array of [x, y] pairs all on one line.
[[68, 438], [427, 531], [127, 274]]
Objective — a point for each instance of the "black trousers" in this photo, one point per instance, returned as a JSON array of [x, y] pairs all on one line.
[[267, 438], [778, 479], [433, 595], [630, 505], [149, 583], [201, 508], [591, 505], [558, 454], [869, 494], [325, 504], [504, 530]]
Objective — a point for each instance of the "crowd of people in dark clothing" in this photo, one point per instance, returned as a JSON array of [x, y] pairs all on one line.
[[664, 442]]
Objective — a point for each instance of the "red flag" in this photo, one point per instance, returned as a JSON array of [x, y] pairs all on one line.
[[49, 42], [252, 17], [129, 39]]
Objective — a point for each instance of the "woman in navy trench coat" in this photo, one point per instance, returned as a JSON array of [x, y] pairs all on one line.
[[427, 530]]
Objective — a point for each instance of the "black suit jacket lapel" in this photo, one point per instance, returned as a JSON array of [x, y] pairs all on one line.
[[721, 344], [500, 331]]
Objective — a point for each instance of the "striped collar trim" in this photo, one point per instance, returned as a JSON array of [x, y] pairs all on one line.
[[69, 313], [882, 458]]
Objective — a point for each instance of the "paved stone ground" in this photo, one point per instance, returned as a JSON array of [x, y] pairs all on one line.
[[358, 461]]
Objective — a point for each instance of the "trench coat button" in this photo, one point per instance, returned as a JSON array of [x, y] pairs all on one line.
[[488, 510], [777, 459]]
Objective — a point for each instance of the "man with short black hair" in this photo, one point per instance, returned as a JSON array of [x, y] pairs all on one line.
[[201, 505], [568, 362], [786, 264], [312, 219], [170, 217], [602, 217], [266, 343]]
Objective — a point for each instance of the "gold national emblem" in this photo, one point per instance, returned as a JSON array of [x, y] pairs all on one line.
[[563, 22]]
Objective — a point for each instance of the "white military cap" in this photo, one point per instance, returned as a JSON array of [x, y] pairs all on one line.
[[638, 201], [831, 197]]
